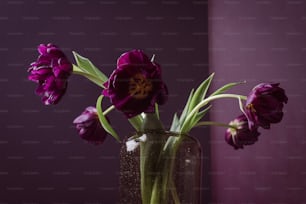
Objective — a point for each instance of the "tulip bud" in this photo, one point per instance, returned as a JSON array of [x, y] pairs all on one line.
[[89, 126], [239, 133]]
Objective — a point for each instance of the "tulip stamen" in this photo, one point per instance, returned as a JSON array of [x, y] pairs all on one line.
[[251, 107], [139, 86]]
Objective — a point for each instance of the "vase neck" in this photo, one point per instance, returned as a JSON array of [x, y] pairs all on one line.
[[151, 123]]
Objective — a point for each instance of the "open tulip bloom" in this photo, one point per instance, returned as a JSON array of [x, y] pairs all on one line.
[[136, 88]]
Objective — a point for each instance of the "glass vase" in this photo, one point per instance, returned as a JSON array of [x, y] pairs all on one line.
[[159, 167]]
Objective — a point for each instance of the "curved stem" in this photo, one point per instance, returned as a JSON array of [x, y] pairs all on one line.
[[205, 102], [163, 182], [203, 123], [103, 120], [156, 110], [171, 182], [173, 191], [212, 98], [136, 122], [112, 107], [241, 106]]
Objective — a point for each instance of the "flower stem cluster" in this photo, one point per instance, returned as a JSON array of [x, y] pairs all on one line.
[[136, 88]]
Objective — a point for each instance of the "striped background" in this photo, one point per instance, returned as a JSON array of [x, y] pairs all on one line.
[[260, 40], [42, 159]]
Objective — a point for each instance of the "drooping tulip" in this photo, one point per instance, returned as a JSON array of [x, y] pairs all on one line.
[[265, 104], [239, 134], [50, 71], [89, 126]]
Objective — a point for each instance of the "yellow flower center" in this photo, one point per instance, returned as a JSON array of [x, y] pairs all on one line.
[[251, 107], [139, 86]]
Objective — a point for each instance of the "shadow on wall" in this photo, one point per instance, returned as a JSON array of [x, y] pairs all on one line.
[[260, 41]]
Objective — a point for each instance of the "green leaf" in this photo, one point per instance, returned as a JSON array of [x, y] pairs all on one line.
[[87, 66], [199, 116], [186, 126], [186, 108], [194, 120], [105, 124], [194, 99], [200, 92], [175, 126], [94, 79], [156, 110], [136, 122], [76, 68], [226, 87]]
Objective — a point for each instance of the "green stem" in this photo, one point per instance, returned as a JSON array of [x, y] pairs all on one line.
[[112, 107], [150, 154], [136, 122], [171, 182], [211, 123], [157, 111], [241, 106], [152, 164], [103, 120], [146, 185], [205, 102], [164, 180], [174, 192], [161, 180], [174, 149]]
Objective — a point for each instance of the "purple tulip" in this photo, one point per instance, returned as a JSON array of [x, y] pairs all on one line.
[[51, 71], [89, 126], [136, 85], [264, 105], [240, 134]]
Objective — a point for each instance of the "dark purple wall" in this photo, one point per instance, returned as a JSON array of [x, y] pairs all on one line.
[[42, 159], [260, 41]]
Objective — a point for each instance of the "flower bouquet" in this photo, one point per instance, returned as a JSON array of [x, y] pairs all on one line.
[[136, 89]]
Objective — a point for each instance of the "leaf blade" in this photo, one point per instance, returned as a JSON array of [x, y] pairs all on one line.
[[194, 120], [78, 71], [226, 87], [175, 125], [200, 92], [186, 108], [104, 122], [87, 66], [136, 122]]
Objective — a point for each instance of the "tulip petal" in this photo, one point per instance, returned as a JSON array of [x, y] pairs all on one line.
[[136, 85], [50, 71], [264, 105]]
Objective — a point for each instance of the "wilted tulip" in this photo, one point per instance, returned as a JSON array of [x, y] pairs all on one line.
[[51, 71], [264, 105], [89, 126], [239, 134]]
